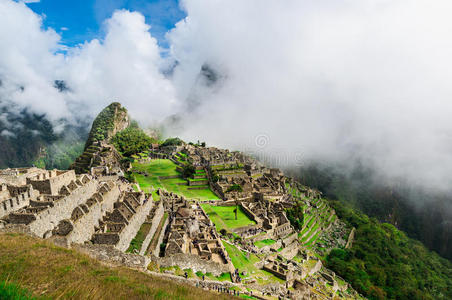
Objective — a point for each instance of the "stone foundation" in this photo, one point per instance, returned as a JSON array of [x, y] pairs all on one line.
[[193, 262]]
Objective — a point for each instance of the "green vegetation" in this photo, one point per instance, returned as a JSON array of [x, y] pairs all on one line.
[[59, 273], [62, 154], [35, 142], [188, 171], [295, 215], [234, 188], [131, 140], [11, 291], [190, 274], [224, 217], [172, 142], [419, 212], [104, 123], [138, 240], [384, 263], [266, 242], [222, 277], [246, 263], [164, 167]]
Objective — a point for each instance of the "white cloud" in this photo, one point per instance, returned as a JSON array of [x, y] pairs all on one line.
[[333, 80], [124, 67]]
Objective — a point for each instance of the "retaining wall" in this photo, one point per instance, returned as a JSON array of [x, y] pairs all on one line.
[[84, 227], [49, 218], [154, 225], [130, 231], [193, 262]]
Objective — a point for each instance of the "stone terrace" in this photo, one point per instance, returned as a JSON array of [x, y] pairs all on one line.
[[120, 226]]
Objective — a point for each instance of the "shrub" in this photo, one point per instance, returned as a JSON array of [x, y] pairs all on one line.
[[234, 188], [188, 171], [172, 142], [295, 215], [215, 177], [131, 140]]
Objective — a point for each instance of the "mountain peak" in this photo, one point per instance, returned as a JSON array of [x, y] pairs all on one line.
[[108, 122]]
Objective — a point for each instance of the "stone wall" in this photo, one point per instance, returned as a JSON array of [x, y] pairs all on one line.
[[18, 176], [290, 239], [193, 262], [316, 268], [161, 236], [4, 192], [47, 219], [244, 229], [108, 178], [251, 215], [154, 225], [282, 230], [130, 231], [198, 182], [350, 239], [19, 201], [112, 256], [83, 227], [50, 183], [290, 251]]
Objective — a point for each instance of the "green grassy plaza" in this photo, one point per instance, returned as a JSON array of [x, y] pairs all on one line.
[[224, 217], [164, 167], [263, 243]]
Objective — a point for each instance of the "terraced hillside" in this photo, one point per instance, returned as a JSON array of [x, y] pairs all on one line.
[[86, 159], [321, 229]]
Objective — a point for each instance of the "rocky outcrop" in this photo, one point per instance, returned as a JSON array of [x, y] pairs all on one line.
[[98, 151], [108, 122]]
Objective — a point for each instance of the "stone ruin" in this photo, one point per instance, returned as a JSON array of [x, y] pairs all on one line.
[[120, 226], [72, 208], [99, 208], [271, 216], [190, 231]]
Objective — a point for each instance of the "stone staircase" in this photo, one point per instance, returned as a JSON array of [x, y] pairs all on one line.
[[84, 162]]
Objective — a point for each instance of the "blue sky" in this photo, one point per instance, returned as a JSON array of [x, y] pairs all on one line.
[[81, 20]]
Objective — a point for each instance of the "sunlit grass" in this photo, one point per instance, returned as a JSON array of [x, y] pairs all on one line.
[[224, 217], [164, 167], [58, 273]]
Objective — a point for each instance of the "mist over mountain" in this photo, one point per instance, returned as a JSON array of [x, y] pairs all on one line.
[[294, 82], [422, 213]]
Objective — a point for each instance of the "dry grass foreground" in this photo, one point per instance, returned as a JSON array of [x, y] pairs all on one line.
[[52, 272]]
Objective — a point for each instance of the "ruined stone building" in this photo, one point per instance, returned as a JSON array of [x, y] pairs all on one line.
[[121, 225]]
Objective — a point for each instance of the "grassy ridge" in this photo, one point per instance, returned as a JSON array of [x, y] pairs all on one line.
[[54, 272]]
